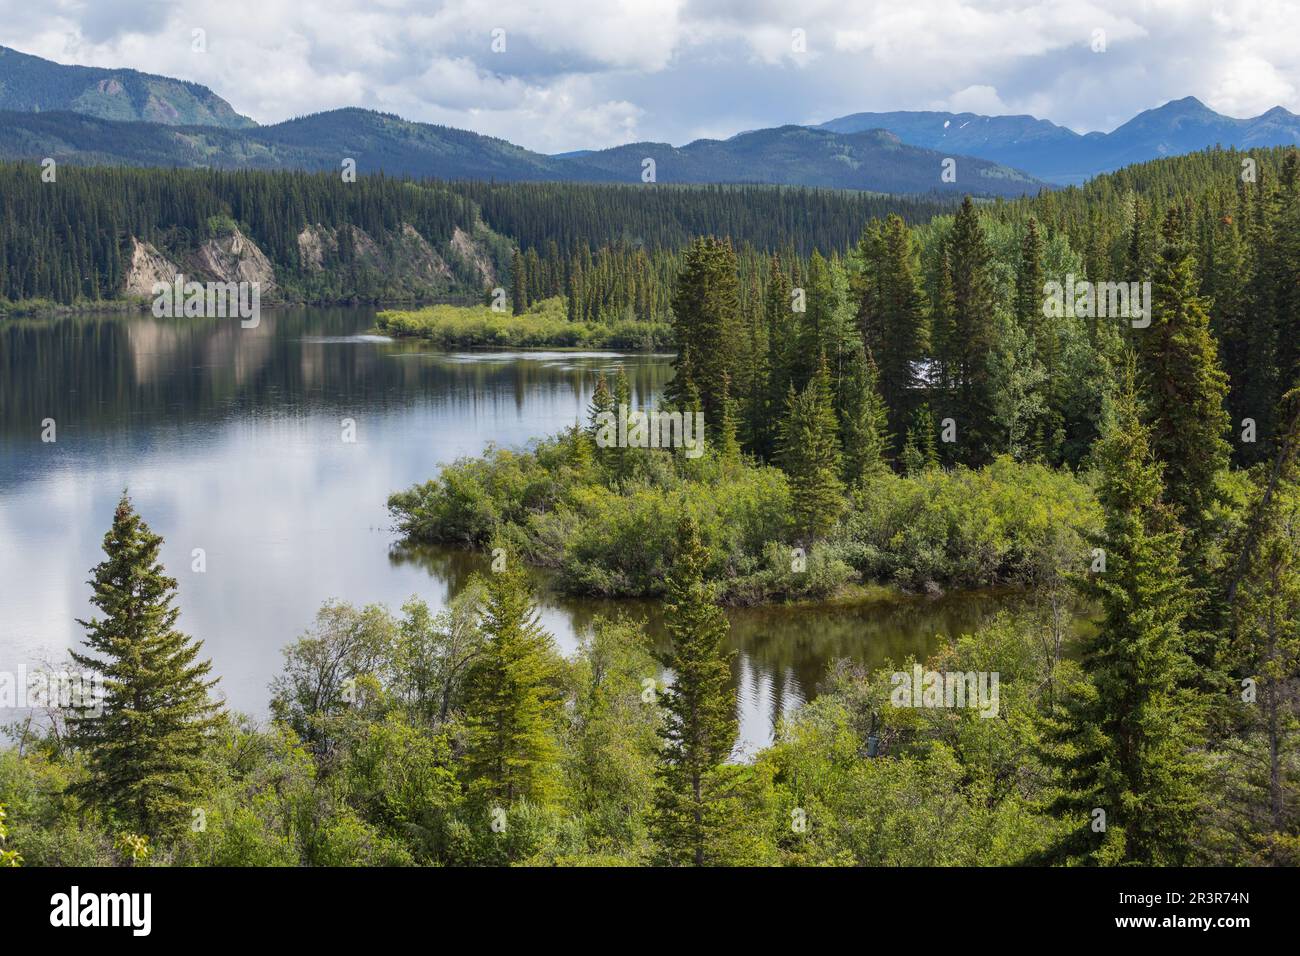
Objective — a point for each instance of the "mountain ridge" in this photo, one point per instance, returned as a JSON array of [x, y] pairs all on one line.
[[34, 84], [1060, 155]]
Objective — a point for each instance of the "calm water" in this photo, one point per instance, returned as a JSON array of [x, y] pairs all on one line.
[[229, 440]]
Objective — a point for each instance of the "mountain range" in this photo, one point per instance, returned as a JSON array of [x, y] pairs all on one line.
[[1061, 155], [105, 116]]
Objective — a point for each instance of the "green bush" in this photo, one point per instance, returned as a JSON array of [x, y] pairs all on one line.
[[545, 325]]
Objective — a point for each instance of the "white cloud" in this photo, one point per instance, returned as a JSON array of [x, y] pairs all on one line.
[[602, 72], [977, 99]]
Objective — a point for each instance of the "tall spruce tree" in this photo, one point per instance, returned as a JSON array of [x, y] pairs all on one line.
[[694, 808], [893, 316], [972, 333], [864, 424], [144, 744], [1127, 737], [782, 333], [810, 456], [512, 699], [1185, 391], [707, 323]]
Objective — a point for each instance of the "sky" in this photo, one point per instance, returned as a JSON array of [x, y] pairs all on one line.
[[557, 75]]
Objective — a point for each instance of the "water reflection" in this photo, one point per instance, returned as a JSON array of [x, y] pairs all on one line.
[[230, 440]]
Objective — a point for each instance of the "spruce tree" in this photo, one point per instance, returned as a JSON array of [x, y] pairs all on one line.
[[1265, 653], [512, 701], [864, 425], [1127, 737], [893, 315], [972, 332], [782, 330], [144, 744], [809, 454], [694, 809], [707, 323], [518, 284], [601, 414], [1185, 391]]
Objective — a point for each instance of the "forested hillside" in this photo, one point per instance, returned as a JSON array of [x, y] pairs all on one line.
[[71, 240]]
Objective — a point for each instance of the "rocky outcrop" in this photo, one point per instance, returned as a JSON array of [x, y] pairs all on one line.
[[405, 257], [147, 266], [234, 258], [471, 252]]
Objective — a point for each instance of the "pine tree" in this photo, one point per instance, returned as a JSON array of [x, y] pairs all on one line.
[[810, 455], [1265, 651], [972, 332], [512, 702], [144, 744], [518, 284], [782, 330], [892, 314], [601, 414], [1185, 391], [707, 322], [1127, 737], [694, 809], [864, 425]]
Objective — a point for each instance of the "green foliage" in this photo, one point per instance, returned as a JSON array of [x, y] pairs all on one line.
[[1125, 740], [511, 697], [964, 527], [145, 743], [695, 801], [545, 324], [809, 452]]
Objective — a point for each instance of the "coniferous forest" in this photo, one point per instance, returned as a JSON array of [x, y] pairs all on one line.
[[892, 399]]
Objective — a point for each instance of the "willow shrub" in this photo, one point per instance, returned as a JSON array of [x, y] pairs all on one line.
[[545, 325], [554, 505], [1005, 523]]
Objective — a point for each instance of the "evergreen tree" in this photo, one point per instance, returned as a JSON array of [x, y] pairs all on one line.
[[1127, 735], [810, 455], [972, 332], [864, 425], [512, 700], [707, 322], [600, 413], [1265, 651], [782, 332], [694, 809], [1185, 390], [518, 284], [892, 314], [144, 744]]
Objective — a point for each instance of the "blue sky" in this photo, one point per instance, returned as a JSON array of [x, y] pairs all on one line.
[[593, 73]]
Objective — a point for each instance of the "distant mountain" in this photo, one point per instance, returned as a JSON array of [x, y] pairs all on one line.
[[796, 155], [31, 84], [1060, 155], [318, 142], [790, 155]]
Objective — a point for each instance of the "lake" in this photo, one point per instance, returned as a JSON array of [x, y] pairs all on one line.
[[231, 440]]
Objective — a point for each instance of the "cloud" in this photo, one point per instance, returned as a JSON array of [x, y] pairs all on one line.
[[590, 73], [977, 99]]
